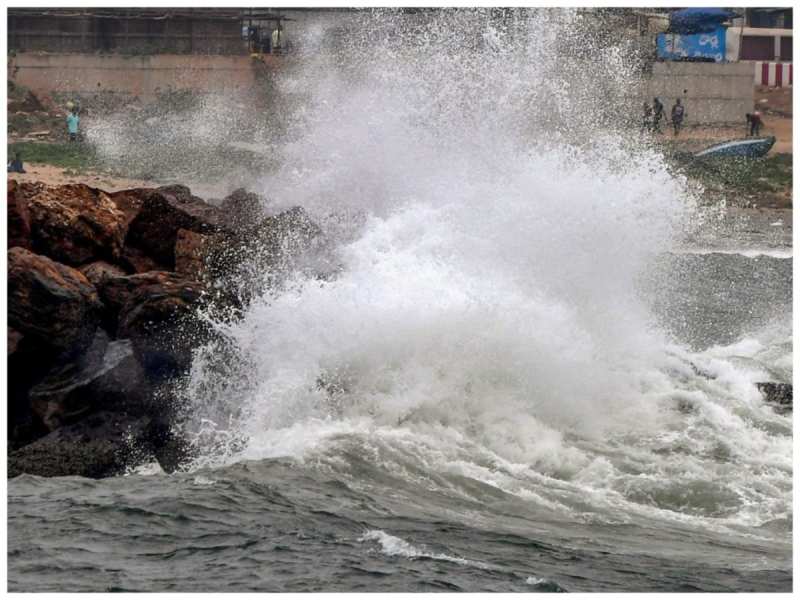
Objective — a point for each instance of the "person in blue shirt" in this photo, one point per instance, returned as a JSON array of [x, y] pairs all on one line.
[[72, 125]]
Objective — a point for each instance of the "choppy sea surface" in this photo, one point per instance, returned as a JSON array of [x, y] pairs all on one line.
[[530, 364], [381, 508]]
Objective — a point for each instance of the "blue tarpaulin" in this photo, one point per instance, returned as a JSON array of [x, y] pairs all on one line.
[[695, 46], [698, 20]]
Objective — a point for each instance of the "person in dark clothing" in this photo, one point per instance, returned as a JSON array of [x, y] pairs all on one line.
[[15, 166], [658, 114], [755, 123], [647, 117], [678, 113]]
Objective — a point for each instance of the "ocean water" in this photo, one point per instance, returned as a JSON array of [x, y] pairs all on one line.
[[523, 359]]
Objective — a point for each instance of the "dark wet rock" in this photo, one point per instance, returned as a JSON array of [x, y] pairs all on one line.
[[27, 364], [106, 377], [97, 272], [179, 192], [116, 292], [85, 402], [155, 228], [51, 304], [242, 209], [14, 338], [101, 445], [159, 316], [136, 261], [776, 393], [278, 245], [195, 253], [19, 219], [285, 235], [76, 224], [130, 202]]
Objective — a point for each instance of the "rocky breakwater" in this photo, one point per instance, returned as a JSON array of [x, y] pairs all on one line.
[[106, 297]]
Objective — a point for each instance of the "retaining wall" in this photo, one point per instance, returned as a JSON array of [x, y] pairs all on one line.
[[713, 93], [143, 76]]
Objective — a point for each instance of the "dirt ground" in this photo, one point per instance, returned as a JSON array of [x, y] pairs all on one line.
[[51, 175], [777, 101], [57, 176], [775, 105], [696, 138]]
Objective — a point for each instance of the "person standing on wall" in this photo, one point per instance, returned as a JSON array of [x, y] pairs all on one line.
[[678, 113], [73, 121]]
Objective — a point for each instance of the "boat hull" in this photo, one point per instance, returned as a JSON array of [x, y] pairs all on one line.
[[746, 148]]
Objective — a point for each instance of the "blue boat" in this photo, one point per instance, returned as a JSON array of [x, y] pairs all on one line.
[[746, 148]]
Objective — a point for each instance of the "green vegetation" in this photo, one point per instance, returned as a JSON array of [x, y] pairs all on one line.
[[748, 176], [75, 156]]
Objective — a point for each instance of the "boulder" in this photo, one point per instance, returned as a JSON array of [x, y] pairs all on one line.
[[193, 252], [14, 338], [19, 219], [284, 236], [101, 445], [159, 316], [75, 224], [130, 202], [163, 213], [133, 259], [26, 365], [97, 272], [776, 393], [116, 292], [52, 305], [136, 261], [242, 209], [106, 377]]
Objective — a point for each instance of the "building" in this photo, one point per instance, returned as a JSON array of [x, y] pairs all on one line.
[[139, 31], [761, 34]]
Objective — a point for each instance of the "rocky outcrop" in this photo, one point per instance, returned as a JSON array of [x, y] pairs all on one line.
[[51, 304], [136, 261], [106, 377], [285, 235], [116, 292], [242, 210], [194, 252], [98, 272], [75, 224], [130, 202], [159, 318], [163, 213], [19, 219], [107, 297], [776, 393], [102, 445]]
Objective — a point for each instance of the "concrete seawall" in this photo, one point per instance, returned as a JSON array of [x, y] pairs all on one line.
[[714, 93], [144, 76]]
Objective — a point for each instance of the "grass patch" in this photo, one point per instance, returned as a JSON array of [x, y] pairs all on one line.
[[751, 176], [75, 156]]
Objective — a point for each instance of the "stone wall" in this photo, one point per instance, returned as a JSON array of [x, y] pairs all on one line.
[[714, 93], [142, 76]]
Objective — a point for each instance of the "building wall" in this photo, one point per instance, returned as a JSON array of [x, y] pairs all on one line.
[[142, 76], [713, 93], [758, 43], [128, 35]]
